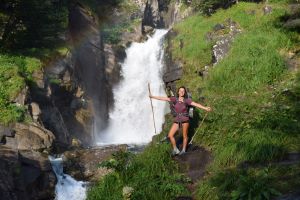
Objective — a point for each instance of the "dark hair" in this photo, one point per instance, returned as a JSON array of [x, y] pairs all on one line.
[[185, 92]]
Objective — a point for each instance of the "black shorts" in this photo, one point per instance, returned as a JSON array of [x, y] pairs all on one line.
[[187, 121]]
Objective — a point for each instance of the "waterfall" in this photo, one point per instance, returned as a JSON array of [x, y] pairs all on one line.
[[131, 121], [67, 188]]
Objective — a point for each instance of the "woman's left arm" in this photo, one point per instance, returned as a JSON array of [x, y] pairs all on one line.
[[198, 105]]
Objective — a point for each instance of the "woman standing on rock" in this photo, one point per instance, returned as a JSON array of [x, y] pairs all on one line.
[[181, 104]]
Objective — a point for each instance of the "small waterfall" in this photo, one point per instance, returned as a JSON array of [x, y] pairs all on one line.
[[67, 188], [131, 120]]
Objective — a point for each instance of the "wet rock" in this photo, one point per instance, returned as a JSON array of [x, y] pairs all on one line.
[[54, 121], [163, 14], [152, 16], [173, 74], [88, 61], [25, 175], [148, 29], [83, 163]]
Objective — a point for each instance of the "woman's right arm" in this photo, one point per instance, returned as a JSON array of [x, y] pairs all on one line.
[[160, 98]]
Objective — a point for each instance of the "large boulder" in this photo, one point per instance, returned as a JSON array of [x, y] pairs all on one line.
[[25, 175], [29, 137], [83, 164]]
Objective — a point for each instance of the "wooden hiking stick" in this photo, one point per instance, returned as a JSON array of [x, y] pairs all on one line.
[[201, 123], [198, 127], [151, 107]]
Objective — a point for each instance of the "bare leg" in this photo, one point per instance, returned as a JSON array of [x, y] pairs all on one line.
[[185, 128], [171, 134]]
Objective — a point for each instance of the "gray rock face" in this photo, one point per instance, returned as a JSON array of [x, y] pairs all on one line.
[[83, 163], [25, 175], [29, 137], [173, 68], [152, 15], [163, 13], [223, 41], [89, 63]]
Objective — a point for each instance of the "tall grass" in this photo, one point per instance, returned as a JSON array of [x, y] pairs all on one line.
[[152, 175], [254, 97], [15, 71], [255, 118]]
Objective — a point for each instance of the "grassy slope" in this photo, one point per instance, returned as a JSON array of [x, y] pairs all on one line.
[[255, 119], [255, 98], [16, 71]]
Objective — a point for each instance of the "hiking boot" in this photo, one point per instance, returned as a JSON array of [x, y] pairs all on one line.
[[175, 152], [182, 152]]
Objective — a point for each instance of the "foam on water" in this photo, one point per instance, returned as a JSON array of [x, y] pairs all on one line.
[[67, 188]]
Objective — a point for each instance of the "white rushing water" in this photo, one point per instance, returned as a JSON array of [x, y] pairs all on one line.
[[67, 188], [131, 121]]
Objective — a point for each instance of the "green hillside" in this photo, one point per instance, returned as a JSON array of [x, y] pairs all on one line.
[[255, 96]]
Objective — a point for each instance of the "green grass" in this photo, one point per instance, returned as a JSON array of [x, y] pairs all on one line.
[[152, 175], [256, 111], [254, 97], [15, 71]]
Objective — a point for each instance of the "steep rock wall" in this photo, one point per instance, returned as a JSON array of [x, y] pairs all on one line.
[[89, 64]]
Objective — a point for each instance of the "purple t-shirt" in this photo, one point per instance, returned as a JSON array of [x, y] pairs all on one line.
[[181, 107]]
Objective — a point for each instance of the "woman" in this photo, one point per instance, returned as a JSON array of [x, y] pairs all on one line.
[[181, 118]]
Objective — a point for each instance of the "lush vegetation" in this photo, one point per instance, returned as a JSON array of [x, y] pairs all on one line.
[[26, 24], [256, 114], [30, 34], [254, 96], [152, 175], [15, 72]]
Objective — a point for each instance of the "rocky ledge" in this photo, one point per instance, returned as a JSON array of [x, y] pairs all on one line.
[[25, 174], [83, 164]]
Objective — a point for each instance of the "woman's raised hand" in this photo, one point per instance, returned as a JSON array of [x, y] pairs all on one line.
[[208, 109]]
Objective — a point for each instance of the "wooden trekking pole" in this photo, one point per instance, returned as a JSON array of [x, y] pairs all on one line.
[[201, 123], [151, 107], [198, 127]]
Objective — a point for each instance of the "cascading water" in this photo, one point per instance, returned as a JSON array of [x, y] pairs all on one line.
[[67, 188], [131, 120]]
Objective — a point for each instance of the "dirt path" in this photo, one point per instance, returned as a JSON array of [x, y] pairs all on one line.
[[194, 163]]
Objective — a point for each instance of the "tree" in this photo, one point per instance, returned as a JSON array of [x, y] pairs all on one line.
[[31, 23]]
